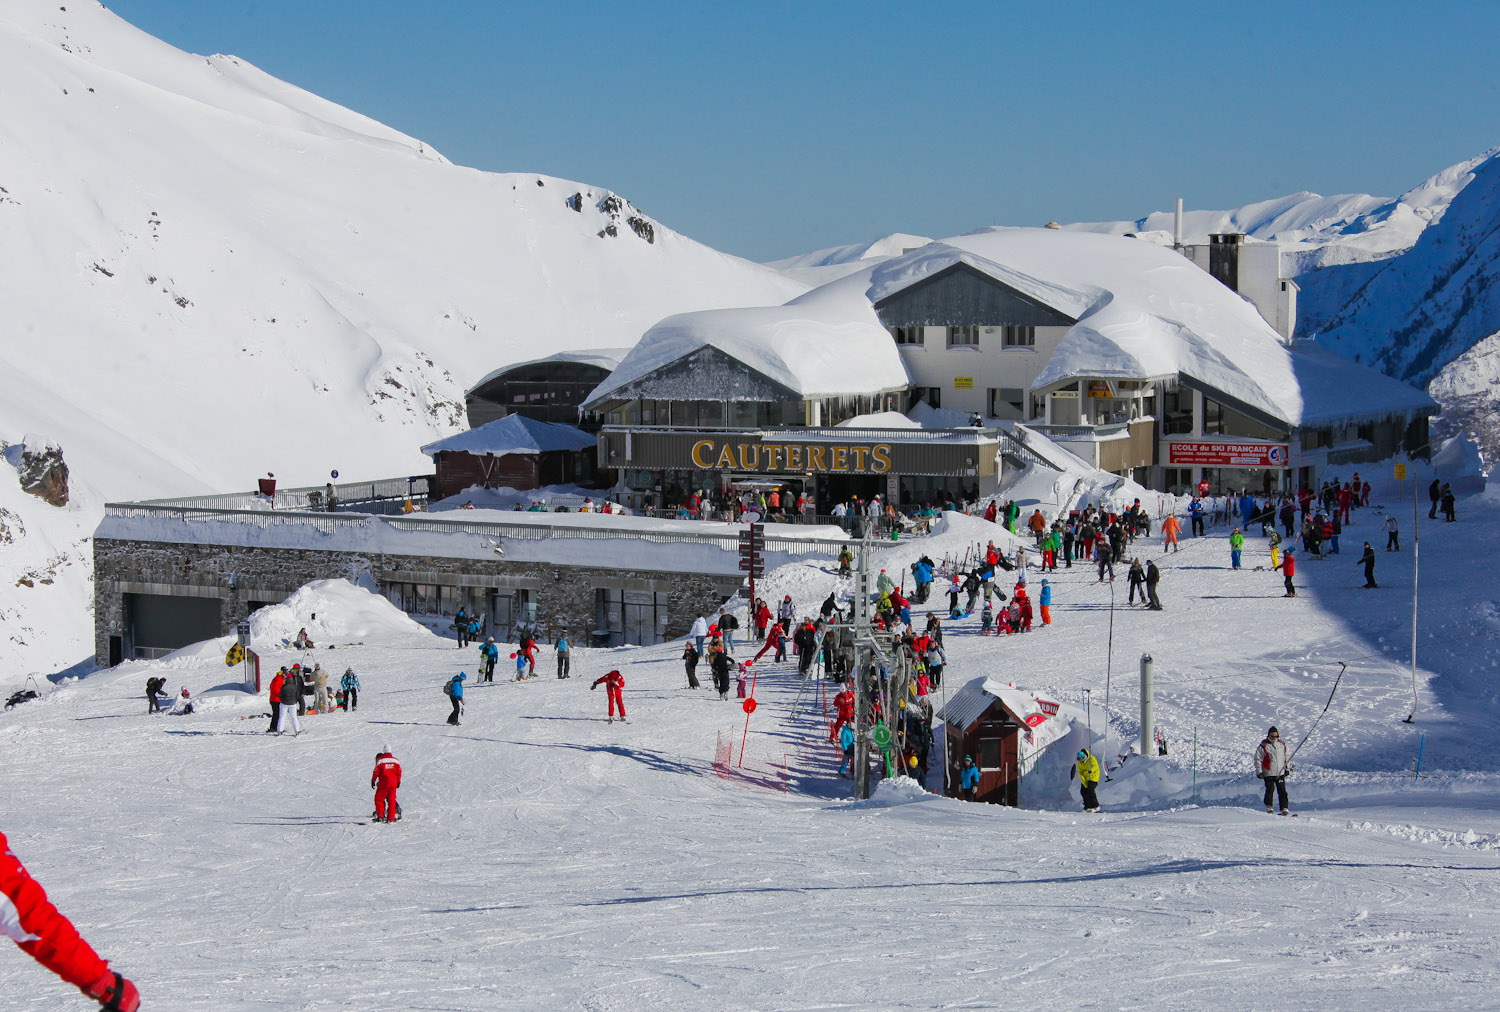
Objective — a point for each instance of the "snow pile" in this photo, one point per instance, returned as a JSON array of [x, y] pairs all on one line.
[[334, 613], [880, 420]]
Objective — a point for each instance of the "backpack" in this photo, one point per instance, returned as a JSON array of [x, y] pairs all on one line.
[[448, 688]]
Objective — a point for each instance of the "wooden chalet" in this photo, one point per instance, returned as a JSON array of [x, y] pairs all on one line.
[[512, 452]]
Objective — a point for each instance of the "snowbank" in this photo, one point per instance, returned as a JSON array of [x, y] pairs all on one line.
[[334, 613]]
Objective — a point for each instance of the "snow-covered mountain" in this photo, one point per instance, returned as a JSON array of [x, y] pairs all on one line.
[[1318, 231], [210, 274]]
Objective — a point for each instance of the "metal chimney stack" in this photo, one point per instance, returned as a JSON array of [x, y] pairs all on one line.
[[1177, 226]]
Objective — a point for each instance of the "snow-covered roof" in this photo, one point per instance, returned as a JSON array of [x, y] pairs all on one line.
[[604, 358], [1145, 313], [826, 347], [1338, 390], [1045, 720], [514, 434]]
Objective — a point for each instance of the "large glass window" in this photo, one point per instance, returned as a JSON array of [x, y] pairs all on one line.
[[1177, 412], [909, 335], [963, 337], [1017, 336]]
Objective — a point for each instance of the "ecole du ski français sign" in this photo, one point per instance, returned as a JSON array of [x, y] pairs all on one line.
[[1229, 454]]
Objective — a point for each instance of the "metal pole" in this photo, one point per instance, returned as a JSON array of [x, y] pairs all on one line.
[[1147, 727], [1416, 558], [1108, 670], [1195, 765], [861, 667]]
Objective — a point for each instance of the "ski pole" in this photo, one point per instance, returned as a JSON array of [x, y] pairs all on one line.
[[1417, 770], [1195, 765]]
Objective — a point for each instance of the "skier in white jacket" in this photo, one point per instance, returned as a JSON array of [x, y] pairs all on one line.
[[1272, 765]]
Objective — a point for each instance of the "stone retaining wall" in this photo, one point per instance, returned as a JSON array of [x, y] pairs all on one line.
[[564, 595]]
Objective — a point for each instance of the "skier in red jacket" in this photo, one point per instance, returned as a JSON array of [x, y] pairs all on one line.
[[385, 778], [275, 697], [613, 682], [843, 705], [34, 923]]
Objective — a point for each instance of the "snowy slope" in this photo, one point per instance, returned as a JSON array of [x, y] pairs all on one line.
[[553, 860], [226, 249], [210, 274]]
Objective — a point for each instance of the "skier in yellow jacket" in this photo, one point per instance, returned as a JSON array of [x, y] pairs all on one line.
[[1087, 772]]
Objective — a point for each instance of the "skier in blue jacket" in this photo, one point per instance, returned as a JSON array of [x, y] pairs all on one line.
[[968, 779], [350, 684], [1195, 513], [846, 742], [455, 690], [489, 653]]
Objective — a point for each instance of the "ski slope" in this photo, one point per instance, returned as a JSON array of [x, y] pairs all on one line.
[[553, 860]]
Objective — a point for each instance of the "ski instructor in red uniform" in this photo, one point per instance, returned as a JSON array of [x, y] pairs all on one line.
[[385, 779], [613, 682], [36, 926]]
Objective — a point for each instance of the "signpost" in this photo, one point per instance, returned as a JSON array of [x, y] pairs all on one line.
[[752, 541]]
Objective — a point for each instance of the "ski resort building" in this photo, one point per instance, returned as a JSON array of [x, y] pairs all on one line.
[[1138, 358], [1005, 730], [547, 389], [172, 572], [515, 451]]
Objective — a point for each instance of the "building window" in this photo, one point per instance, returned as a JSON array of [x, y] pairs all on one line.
[[932, 395], [1007, 402], [909, 335], [1177, 412], [1019, 337], [963, 337]]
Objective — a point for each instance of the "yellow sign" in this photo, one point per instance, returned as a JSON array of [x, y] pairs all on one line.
[[236, 655], [963, 382], [1400, 472], [770, 457]]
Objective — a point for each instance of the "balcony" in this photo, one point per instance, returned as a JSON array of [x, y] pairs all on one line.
[[1118, 446]]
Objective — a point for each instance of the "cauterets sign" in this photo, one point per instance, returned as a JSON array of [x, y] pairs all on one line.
[[1219, 454], [817, 458], [938, 453]]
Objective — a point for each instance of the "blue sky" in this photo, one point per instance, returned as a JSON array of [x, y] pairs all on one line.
[[771, 129]]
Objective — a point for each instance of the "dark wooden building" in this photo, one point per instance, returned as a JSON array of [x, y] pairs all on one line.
[[1005, 730], [512, 452], [548, 389]]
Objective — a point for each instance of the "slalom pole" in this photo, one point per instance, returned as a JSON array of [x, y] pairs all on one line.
[[1195, 764], [1417, 769], [1342, 668]]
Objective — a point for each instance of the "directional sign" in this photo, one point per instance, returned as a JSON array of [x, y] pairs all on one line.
[[748, 705], [881, 736]]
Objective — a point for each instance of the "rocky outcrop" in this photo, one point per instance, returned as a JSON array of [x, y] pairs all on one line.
[[42, 472]]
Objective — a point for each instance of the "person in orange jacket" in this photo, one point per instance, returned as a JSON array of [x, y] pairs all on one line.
[[384, 780], [33, 923], [1169, 528], [613, 682], [275, 694]]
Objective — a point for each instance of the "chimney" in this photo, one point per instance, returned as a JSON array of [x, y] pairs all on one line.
[[1177, 226]]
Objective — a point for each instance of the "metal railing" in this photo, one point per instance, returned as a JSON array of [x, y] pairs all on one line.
[[792, 433], [1076, 432], [383, 491], [518, 529]]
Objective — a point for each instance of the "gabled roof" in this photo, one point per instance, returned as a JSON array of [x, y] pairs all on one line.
[[829, 347], [604, 358], [514, 434]]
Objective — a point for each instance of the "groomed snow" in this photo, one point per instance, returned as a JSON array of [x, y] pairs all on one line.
[[553, 860]]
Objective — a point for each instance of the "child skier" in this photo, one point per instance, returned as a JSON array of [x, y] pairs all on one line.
[[1046, 602], [846, 742], [986, 620], [489, 653], [613, 682], [384, 780]]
